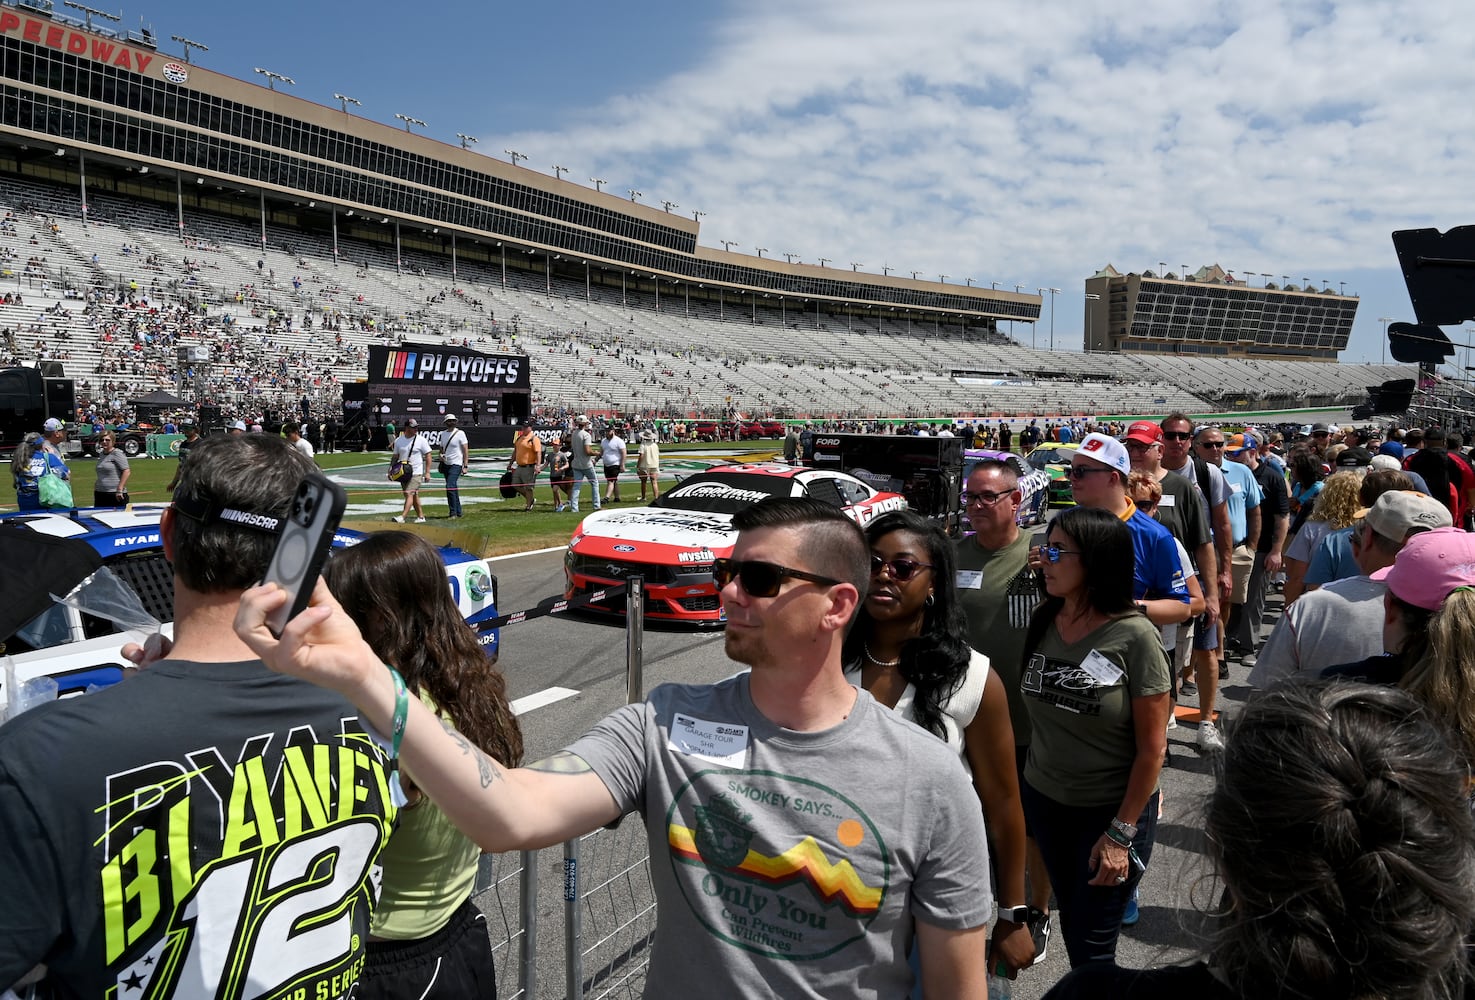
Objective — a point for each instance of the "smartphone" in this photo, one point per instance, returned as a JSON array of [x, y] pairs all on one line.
[[303, 543], [1138, 866]]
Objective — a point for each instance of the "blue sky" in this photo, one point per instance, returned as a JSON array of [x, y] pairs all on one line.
[[1002, 141]]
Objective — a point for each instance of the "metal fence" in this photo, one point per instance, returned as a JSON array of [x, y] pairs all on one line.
[[602, 894]]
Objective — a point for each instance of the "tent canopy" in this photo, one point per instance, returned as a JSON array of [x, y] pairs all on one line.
[[159, 397]]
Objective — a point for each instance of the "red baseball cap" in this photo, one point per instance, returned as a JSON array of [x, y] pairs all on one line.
[[1144, 431]]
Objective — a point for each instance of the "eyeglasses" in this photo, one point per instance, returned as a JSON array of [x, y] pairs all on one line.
[[1081, 471], [1144, 504], [1178, 435], [987, 499], [1052, 553], [761, 579], [1211, 444], [901, 570]]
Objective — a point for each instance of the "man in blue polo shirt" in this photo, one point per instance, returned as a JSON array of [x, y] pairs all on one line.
[[1098, 478]]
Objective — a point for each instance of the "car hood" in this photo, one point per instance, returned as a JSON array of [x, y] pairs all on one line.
[[656, 527]]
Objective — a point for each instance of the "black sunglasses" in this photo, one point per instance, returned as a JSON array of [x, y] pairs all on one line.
[[901, 570], [1177, 435], [761, 579]]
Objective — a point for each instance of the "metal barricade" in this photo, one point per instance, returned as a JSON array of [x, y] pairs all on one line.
[[608, 902]]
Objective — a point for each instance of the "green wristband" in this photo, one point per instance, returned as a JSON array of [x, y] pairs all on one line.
[[401, 711], [1111, 831]]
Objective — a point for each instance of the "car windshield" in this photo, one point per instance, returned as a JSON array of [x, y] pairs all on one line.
[[722, 493], [1042, 457]]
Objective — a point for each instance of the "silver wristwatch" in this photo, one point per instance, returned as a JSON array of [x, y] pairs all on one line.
[[1125, 829]]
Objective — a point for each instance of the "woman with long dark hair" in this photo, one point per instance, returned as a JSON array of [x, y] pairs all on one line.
[[427, 938], [1341, 829], [907, 648], [1096, 683]]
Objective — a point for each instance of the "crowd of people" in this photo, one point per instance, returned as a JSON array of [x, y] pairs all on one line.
[[977, 726]]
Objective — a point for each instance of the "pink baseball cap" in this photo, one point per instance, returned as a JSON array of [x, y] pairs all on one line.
[[1430, 566]]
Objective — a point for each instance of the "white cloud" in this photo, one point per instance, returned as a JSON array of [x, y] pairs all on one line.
[[1012, 141]]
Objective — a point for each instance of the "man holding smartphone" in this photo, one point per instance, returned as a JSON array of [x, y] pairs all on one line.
[[787, 858], [206, 826]]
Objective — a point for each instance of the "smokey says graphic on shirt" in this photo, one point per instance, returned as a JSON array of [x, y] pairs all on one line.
[[777, 865]]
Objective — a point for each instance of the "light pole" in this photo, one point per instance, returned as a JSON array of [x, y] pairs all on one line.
[[344, 101], [558, 172], [761, 252], [1053, 292], [697, 216], [1385, 320], [272, 78], [942, 278], [634, 194], [789, 256], [1092, 297], [467, 141], [599, 183], [825, 260], [190, 44], [856, 265], [668, 205], [411, 121], [514, 156], [728, 244], [1267, 278], [89, 12]]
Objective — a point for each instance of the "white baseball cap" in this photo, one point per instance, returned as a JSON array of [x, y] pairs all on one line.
[[1108, 451], [53, 424]]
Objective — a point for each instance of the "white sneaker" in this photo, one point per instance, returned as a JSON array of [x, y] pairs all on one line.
[[398, 520], [419, 520], [1209, 739], [1172, 718]]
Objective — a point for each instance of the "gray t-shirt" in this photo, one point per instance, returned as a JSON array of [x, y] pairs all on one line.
[[787, 863], [1340, 623], [579, 444]]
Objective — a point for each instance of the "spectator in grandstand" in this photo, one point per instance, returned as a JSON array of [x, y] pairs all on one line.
[[412, 449], [582, 453], [1445, 479], [1336, 507], [191, 438], [1244, 629], [1365, 847], [1342, 621], [1097, 683], [111, 487], [648, 464], [1333, 558], [293, 432], [908, 649], [456, 456], [92, 788], [612, 455], [428, 939], [790, 726], [997, 591], [1244, 522]]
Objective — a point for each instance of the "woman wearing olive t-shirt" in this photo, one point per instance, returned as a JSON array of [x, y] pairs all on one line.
[[1095, 683]]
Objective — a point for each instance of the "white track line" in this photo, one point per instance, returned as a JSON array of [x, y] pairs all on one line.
[[540, 699]]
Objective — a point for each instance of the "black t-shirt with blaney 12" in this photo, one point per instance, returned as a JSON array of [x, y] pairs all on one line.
[[200, 830], [1080, 705]]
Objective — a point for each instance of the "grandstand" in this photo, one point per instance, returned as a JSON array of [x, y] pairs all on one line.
[[156, 206]]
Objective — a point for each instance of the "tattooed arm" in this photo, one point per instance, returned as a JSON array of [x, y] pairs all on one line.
[[498, 808]]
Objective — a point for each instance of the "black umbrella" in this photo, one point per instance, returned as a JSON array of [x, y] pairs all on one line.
[[39, 565]]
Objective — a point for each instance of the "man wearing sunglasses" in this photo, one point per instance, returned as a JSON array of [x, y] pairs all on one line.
[[802, 836], [1098, 478]]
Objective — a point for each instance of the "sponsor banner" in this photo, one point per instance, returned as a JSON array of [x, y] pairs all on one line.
[[448, 366]]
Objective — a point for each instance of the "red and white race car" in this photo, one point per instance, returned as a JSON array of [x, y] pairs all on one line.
[[672, 542]]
